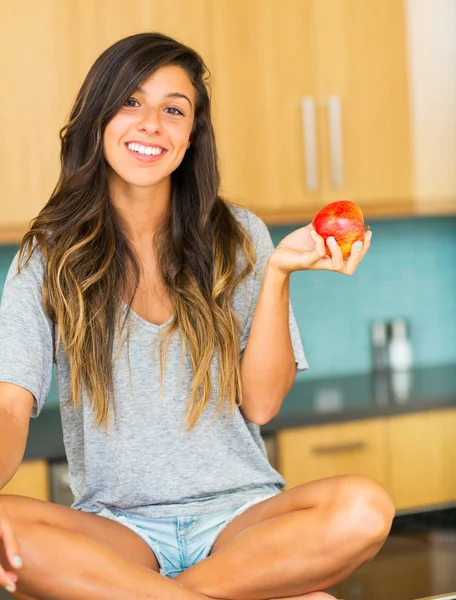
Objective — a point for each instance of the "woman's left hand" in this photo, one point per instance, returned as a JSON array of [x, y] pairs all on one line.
[[304, 249]]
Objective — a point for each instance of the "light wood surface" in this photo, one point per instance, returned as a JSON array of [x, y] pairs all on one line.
[[397, 97], [306, 454], [46, 50], [263, 64], [31, 479], [413, 456], [35, 62], [422, 458], [361, 58]]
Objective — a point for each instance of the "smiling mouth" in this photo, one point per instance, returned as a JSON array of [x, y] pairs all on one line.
[[145, 150], [146, 158]]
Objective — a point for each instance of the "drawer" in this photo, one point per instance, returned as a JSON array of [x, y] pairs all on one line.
[[309, 453], [31, 479]]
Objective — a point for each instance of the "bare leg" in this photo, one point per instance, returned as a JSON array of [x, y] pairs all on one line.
[[301, 541], [63, 565], [68, 554]]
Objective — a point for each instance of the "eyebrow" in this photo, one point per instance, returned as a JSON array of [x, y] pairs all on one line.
[[170, 95]]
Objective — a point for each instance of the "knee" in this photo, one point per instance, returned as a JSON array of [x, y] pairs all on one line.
[[363, 508]]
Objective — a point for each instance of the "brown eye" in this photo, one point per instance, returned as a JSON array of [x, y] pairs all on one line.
[[130, 100]]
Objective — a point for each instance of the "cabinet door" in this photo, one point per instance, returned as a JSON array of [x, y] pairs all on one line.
[[97, 25], [31, 479], [310, 453], [262, 66], [45, 54], [364, 102], [35, 62], [423, 458]]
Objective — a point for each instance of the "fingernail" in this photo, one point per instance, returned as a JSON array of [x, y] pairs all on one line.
[[369, 235], [331, 241], [17, 561], [359, 246], [313, 232], [10, 588]]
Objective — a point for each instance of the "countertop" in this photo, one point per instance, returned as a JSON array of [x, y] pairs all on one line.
[[309, 403]]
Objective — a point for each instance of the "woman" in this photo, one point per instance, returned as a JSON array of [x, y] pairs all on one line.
[[166, 311]]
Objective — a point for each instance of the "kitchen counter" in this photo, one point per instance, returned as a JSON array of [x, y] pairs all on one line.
[[366, 396], [309, 403]]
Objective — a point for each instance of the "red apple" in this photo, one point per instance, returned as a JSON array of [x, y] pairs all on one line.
[[342, 220]]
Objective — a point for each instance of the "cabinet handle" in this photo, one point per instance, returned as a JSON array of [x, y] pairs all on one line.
[[310, 141], [335, 140], [334, 449]]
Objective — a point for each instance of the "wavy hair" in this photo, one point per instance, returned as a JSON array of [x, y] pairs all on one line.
[[90, 263]]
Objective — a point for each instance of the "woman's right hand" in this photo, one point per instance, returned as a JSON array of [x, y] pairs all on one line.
[[10, 551]]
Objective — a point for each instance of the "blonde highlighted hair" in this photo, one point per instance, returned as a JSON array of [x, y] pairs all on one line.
[[90, 264]]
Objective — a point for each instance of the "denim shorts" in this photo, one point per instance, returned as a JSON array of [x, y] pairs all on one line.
[[180, 542]]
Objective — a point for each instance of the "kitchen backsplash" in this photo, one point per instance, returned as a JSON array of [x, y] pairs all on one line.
[[409, 272]]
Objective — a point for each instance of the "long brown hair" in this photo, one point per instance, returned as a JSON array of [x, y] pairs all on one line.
[[86, 251]]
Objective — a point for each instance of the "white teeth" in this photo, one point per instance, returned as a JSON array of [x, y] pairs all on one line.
[[147, 150]]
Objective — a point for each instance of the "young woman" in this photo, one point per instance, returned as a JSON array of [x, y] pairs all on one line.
[[166, 311]]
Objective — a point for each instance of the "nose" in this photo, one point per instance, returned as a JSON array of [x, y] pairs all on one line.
[[150, 121]]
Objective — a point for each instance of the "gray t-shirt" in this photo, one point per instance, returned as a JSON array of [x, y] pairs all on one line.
[[149, 463]]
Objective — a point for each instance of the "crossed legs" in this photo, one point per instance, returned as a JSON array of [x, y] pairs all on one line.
[[301, 541]]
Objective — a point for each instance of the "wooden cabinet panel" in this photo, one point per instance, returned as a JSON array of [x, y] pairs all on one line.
[[35, 62], [97, 25], [46, 51], [306, 454], [362, 61], [397, 98], [263, 64], [422, 457], [31, 479], [413, 456]]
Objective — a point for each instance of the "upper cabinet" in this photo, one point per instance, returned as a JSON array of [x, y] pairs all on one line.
[[45, 54], [363, 100], [313, 100], [320, 100], [264, 79], [35, 62]]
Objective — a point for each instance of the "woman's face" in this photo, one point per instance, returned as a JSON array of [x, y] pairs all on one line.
[[147, 139]]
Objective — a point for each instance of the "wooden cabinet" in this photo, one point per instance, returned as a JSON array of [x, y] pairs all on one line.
[[45, 53], [413, 456], [363, 99], [313, 100], [35, 62], [305, 454], [422, 458], [311, 105], [262, 65], [318, 100], [31, 479]]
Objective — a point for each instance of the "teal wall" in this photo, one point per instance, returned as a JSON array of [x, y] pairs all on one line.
[[410, 272]]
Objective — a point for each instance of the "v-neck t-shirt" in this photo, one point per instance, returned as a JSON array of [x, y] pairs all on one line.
[[148, 463]]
